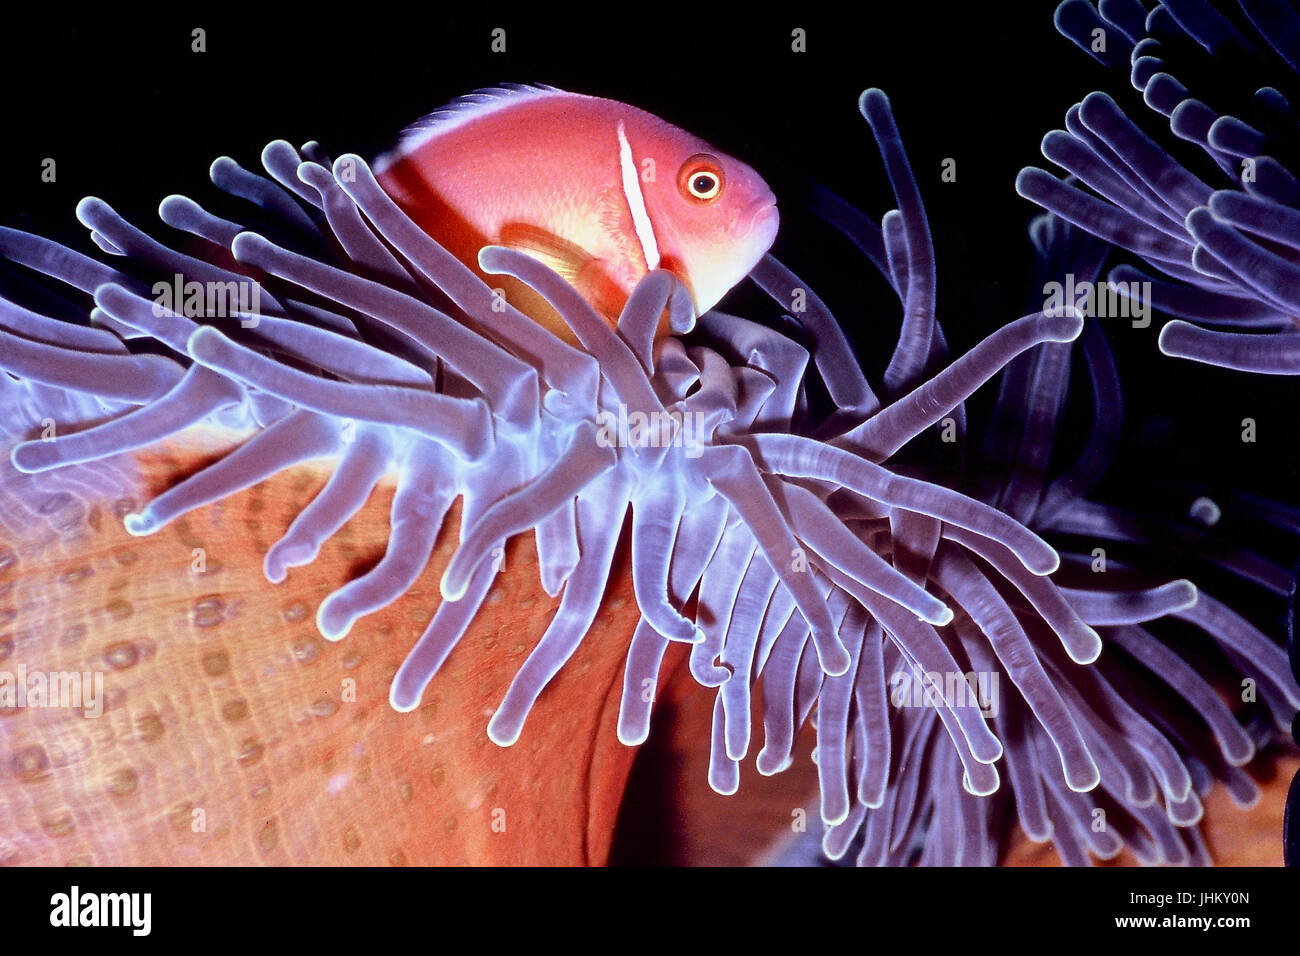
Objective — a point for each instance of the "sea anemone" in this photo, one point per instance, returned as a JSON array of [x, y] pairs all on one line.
[[770, 539], [1091, 693], [1151, 714], [343, 343], [511, 423], [1227, 256]]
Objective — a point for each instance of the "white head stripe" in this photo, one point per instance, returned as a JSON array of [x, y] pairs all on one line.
[[636, 201]]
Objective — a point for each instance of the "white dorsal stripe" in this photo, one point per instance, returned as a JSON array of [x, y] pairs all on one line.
[[636, 201]]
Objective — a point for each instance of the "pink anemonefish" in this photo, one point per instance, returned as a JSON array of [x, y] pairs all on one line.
[[599, 191]]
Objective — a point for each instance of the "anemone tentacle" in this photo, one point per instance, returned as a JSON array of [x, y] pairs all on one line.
[[1225, 256]]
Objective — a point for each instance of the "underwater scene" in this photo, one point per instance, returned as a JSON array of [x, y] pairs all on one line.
[[779, 440]]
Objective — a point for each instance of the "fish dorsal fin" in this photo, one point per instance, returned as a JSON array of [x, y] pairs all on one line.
[[464, 109]]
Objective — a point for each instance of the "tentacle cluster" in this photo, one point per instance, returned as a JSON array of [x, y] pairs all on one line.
[[354, 336], [1110, 732], [1227, 257], [1154, 709]]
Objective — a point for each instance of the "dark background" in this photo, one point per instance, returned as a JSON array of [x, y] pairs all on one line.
[[130, 114]]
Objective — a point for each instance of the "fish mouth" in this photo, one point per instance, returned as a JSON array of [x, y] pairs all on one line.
[[762, 219]]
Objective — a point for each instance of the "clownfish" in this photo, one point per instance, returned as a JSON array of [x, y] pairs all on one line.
[[599, 191]]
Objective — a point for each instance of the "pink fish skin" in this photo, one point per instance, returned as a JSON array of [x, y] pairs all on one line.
[[600, 191]]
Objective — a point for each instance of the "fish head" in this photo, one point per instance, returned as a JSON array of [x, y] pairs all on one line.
[[714, 217]]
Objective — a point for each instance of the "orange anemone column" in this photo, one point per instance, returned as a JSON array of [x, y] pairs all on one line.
[[232, 733]]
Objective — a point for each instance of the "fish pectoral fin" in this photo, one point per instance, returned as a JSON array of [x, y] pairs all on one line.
[[567, 259], [588, 274]]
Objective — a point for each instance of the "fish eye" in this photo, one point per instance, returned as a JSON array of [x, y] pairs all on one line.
[[701, 178]]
